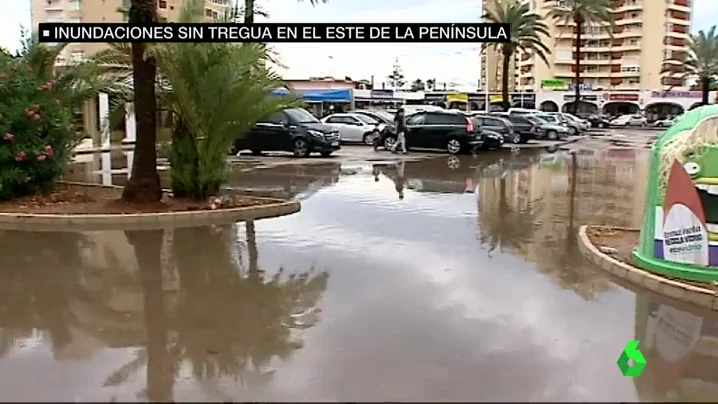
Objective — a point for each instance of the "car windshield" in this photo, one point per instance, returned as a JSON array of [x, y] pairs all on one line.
[[366, 119], [548, 118], [300, 115]]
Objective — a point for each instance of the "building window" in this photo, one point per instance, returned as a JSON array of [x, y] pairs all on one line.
[[634, 82], [207, 12], [592, 69], [630, 69], [162, 4], [77, 56]]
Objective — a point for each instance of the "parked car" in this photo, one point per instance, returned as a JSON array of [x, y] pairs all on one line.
[[628, 120], [294, 130], [599, 121], [523, 111], [355, 127], [412, 109], [380, 115], [450, 131], [550, 128], [526, 128], [668, 122], [499, 125], [574, 127], [583, 124]]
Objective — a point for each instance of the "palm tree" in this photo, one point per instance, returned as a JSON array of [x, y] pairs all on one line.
[[250, 9], [701, 61], [215, 91], [418, 85], [582, 13], [527, 30], [143, 185]]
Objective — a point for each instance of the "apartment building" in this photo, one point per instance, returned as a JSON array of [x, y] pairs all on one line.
[[75, 11], [627, 58]]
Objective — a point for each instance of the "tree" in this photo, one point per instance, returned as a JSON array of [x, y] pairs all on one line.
[[582, 13], [396, 78], [431, 84], [144, 184], [701, 61], [527, 30], [250, 9], [418, 85], [207, 116]]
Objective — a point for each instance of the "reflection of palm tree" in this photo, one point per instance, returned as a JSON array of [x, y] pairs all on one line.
[[255, 317], [228, 322], [509, 225], [160, 374], [38, 273], [562, 260]]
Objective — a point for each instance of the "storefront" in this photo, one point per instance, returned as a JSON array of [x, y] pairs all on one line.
[[381, 99]]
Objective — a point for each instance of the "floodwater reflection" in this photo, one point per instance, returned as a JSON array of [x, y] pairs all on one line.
[[172, 303], [452, 279]]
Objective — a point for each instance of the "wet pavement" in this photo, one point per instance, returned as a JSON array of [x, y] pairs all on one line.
[[445, 279]]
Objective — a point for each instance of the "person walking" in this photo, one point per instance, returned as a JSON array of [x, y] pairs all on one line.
[[400, 124]]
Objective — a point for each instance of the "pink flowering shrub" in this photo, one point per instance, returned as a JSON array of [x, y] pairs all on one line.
[[36, 136]]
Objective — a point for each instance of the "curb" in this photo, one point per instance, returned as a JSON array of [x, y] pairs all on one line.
[[143, 221], [675, 289]]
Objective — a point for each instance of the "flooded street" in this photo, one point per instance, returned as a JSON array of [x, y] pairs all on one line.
[[445, 279]]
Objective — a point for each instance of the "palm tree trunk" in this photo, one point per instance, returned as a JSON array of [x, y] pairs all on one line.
[[160, 370], [705, 90], [507, 53], [144, 184], [252, 247], [572, 194], [577, 78], [249, 11]]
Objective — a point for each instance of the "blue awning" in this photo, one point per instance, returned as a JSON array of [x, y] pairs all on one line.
[[318, 95], [326, 95]]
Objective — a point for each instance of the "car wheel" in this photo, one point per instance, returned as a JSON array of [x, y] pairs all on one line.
[[516, 138], [257, 152], [573, 131], [301, 148], [389, 142], [552, 135], [453, 146], [369, 138]]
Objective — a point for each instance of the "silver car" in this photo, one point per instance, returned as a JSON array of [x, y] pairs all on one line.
[[551, 127], [356, 128]]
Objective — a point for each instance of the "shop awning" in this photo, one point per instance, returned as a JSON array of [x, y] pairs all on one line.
[[317, 95]]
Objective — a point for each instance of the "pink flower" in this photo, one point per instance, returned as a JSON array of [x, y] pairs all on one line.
[[49, 151], [50, 84], [20, 156], [29, 112], [36, 117], [29, 68], [3, 75], [9, 137], [41, 157]]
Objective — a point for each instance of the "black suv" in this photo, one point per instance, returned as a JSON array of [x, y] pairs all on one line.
[[499, 125], [447, 130], [522, 125], [294, 130]]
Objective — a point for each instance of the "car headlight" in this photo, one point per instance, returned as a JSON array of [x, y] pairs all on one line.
[[315, 133]]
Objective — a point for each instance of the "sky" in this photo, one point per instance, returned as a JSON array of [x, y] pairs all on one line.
[[447, 63]]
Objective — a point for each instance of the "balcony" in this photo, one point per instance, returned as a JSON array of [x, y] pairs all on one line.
[[630, 5], [679, 5], [584, 62]]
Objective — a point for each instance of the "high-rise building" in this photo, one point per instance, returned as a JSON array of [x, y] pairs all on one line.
[[627, 57], [107, 11]]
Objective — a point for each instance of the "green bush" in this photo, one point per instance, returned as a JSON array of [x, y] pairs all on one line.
[[36, 135]]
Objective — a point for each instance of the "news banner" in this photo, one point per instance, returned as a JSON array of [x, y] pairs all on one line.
[[274, 32]]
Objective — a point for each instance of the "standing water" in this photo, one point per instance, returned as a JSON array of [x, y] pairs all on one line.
[[439, 280]]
